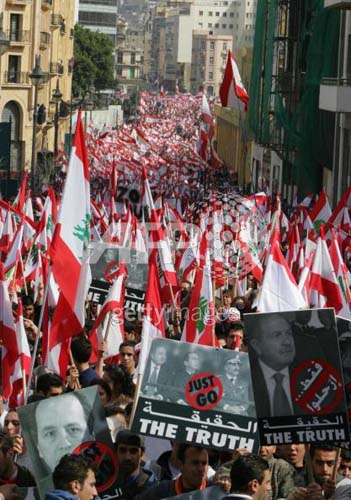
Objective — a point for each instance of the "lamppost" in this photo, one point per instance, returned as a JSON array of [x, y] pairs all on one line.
[[36, 77], [56, 98]]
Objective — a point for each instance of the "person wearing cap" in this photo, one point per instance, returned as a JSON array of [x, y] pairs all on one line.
[[132, 478], [193, 463]]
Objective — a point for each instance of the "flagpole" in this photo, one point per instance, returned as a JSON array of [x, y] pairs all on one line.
[[37, 338]]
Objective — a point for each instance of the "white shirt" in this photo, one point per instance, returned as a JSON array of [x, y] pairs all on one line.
[[268, 374]]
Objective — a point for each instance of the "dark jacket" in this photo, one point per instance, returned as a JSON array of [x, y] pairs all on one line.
[[164, 489], [24, 478], [136, 485]]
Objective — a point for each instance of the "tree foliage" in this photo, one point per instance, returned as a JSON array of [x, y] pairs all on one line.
[[93, 61]]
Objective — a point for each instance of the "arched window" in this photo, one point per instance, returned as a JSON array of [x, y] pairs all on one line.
[[11, 113]]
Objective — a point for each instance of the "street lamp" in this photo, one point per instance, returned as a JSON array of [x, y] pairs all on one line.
[[36, 77], [56, 98]]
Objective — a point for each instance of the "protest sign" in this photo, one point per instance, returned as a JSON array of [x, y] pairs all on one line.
[[197, 394], [50, 431], [297, 376], [104, 261]]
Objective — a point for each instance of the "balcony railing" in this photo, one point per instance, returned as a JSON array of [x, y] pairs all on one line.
[[16, 78], [17, 36], [338, 4], [18, 2], [44, 38], [56, 69], [46, 4], [56, 20], [335, 95]]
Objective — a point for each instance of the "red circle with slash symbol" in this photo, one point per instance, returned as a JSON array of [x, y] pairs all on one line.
[[111, 271], [203, 391], [316, 386], [105, 460]]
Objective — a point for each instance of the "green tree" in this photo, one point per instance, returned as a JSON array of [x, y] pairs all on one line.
[[93, 61]]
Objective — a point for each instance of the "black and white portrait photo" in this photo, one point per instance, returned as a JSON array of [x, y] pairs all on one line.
[[58, 425], [295, 363]]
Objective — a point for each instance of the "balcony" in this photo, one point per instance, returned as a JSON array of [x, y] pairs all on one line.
[[18, 2], [56, 20], [46, 4], [338, 4], [17, 37], [56, 69], [44, 39], [16, 78], [335, 95]]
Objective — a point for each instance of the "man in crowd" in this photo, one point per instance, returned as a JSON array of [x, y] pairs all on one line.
[[250, 479], [132, 479], [10, 472], [81, 351], [193, 463], [73, 478], [294, 454], [127, 356], [323, 461], [234, 336], [345, 464], [49, 385]]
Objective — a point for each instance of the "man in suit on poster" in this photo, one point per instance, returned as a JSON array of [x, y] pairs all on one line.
[[156, 377], [272, 353]]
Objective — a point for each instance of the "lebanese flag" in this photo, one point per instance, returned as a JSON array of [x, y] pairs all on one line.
[[189, 259], [232, 91], [70, 240], [325, 291], [23, 363], [337, 215], [200, 324], [279, 291], [202, 144], [114, 305], [206, 115], [9, 350], [342, 276], [153, 321], [321, 211]]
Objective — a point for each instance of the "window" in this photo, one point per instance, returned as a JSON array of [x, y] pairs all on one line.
[[216, 25], [224, 14], [231, 14], [210, 14], [14, 72], [15, 27], [209, 25], [210, 75], [132, 58], [119, 71], [212, 45], [225, 46], [201, 12], [200, 25], [211, 60], [217, 14], [224, 26], [231, 26], [119, 57]]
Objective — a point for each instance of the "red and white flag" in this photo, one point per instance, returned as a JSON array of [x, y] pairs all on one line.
[[279, 291], [153, 322], [200, 324], [114, 305], [321, 211], [342, 276], [324, 288], [70, 240], [232, 92]]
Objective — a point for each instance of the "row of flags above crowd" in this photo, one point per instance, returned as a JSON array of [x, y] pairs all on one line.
[[215, 244]]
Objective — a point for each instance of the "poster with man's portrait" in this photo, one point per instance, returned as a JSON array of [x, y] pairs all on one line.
[[105, 257], [297, 376], [104, 261], [70, 423], [197, 394]]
